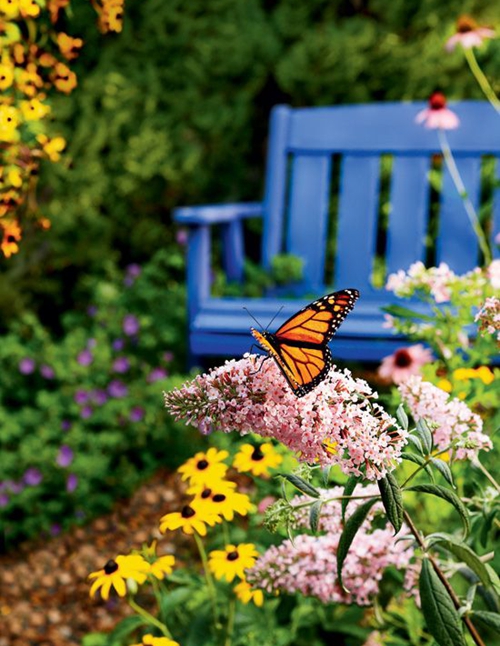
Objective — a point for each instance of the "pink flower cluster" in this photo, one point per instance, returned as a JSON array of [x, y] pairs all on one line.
[[457, 427], [404, 362], [488, 317], [336, 423], [309, 565]]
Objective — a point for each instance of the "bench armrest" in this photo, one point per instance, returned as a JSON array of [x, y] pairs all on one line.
[[217, 213]]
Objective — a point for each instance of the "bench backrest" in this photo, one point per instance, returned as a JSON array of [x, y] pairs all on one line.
[[323, 189]]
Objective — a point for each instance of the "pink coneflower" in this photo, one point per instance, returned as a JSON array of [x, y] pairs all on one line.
[[437, 115], [404, 362], [468, 34]]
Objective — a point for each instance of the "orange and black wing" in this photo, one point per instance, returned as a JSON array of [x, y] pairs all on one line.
[[299, 346]]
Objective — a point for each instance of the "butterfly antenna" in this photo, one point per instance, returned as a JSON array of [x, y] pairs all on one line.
[[278, 312], [250, 314]]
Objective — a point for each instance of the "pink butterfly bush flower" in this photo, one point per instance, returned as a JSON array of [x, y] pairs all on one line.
[[252, 396], [309, 564], [437, 115], [488, 317], [404, 362], [468, 34], [456, 425]]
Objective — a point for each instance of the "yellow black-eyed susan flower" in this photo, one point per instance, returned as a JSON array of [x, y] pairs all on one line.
[[224, 501], [191, 518], [257, 459], [204, 468], [246, 593], [232, 561], [163, 565], [150, 640], [115, 573]]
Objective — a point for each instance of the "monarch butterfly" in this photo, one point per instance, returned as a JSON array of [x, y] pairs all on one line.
[[300, 345]]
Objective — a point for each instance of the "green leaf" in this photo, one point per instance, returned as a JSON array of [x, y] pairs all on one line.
[[392, 500], [404, 312], [425, 435], [349, 487], [441, 616], [422, 462], [125, 627], [351, 527], [413, 439], [490, 619], [314, 515], [402, 417], [464, 554], [301, 484], [449, 496], [443, 469]]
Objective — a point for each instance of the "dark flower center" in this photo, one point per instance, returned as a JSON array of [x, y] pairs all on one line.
[[437, 101], [257, 454], [402, 358], [465, 24], [10, 239], [206, 493], [110, 567], [219, 497], [233, 556], [187, 512], [201, 465]]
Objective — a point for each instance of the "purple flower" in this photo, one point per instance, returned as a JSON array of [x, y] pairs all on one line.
[[86, 412], [91, 343], [121, 364], [136, 414], [132, 271], [32, 477], [26, 366], [181, 237], [65, 456], [81, 397], [47, 372], [16, 487], [66, 424], [117, 389], [92, 310], [99, 396], [156, 374], [55, 529], [130, 325], [4, 500], [168, 356], [71, 482], [118, 344], [85, 358]]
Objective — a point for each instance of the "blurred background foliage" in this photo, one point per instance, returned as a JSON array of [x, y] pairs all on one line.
[[175, 111]]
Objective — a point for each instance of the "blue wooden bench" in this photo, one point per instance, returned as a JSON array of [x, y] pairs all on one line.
[[322, 192]]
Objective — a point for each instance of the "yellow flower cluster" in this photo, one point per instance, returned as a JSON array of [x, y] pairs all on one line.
[[28, 74], [483, 373]]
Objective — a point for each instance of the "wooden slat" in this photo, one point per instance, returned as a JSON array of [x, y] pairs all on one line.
[[308, 215], [456, 243], [233, 250], [495, 228], [357, 221], [408, 218], [198, 268]]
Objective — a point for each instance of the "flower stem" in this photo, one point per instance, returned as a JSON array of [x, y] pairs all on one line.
[[422, 466], [469, 208], [485, 471], [230, 622], [208, 577], [456, 602], [148, 617], [481, 79]]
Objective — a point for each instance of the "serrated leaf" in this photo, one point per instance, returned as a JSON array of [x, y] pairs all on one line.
[[349, 487], [490, 619], [404, 312], [449, 496], [443, 469], [413, 439], [392, 500], [464, 554], [314, 515], [351, 527], [425, 435], [301, 484], [402, 417], [441, 616]]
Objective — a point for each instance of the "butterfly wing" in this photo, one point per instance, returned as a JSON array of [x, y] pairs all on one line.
[[300, 345]]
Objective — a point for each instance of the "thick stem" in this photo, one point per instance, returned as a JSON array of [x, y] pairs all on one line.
[[149, 618], [469, 207], [481, 79], [456, 602], [208, 577]]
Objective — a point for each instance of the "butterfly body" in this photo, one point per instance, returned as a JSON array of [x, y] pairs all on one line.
[[300, 345]]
